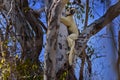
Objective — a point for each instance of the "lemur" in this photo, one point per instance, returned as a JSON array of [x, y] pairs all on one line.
[[68, 21]]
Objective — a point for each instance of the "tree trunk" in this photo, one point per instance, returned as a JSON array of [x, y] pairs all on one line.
[[54, 10], [62, 65], [25, 27]]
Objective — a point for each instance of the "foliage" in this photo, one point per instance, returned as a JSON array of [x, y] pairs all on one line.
[[13, 67], [7, 64], [29, 70]]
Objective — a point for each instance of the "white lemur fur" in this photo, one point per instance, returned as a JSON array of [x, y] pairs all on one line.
[[68, 21]]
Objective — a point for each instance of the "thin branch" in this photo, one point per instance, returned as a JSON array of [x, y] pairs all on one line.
[[86, 14], [10, 7], [41, 23], [43, 26], [97, 25], [1, 43]]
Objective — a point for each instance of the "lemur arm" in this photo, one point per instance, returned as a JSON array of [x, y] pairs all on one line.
[[65, 21]]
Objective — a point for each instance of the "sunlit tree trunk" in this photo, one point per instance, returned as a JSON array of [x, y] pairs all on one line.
[[54, 9]]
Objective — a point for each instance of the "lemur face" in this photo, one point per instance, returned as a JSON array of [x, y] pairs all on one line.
[[70, 11]]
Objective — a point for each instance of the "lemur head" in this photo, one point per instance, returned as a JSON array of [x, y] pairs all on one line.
[[69, 11]]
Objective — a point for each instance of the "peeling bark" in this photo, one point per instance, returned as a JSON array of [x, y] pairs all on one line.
[[61, 56], [85, 59], [53, 16], [82, 69]]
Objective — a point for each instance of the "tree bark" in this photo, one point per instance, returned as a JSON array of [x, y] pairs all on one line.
[[53, 15], [24, 26], [86, 14], [62, 65]]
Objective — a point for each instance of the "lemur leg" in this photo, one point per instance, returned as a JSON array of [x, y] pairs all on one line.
[[72, 54], [71, 38], [71, 43]]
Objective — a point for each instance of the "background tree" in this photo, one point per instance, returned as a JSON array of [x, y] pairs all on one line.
[[23, 30]]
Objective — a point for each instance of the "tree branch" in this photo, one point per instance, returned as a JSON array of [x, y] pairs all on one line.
[[111, 14], [86, 14], [36, 14], [97, 25], [43, 26]]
